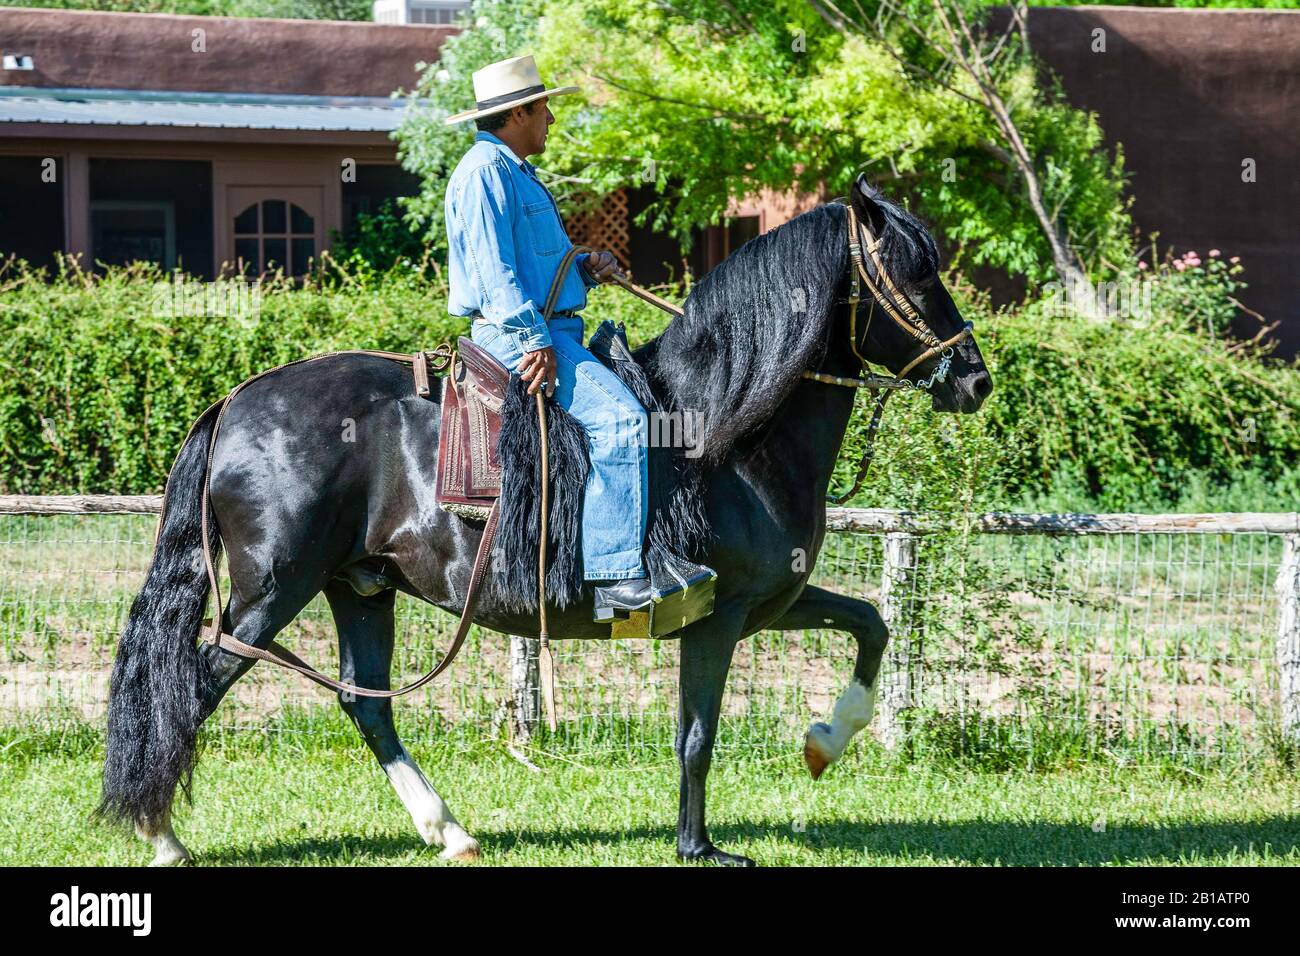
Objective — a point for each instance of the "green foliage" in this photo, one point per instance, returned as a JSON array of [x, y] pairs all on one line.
[[379, 242], [1200, 292], [1132, 407], [106, 378]]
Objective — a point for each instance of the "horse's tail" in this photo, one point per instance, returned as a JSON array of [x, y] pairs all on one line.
[[158, 676]]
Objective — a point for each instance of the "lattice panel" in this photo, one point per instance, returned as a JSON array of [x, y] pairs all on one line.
[[605, 227]]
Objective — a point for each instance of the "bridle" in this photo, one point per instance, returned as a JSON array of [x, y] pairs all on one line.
[[906, 316]]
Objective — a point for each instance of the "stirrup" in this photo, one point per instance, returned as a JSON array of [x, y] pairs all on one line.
[[680, 594]]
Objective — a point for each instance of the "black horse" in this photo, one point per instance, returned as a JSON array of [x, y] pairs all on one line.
[[301, 511]]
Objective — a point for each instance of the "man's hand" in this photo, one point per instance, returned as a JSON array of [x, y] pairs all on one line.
[[602, 265], [538, 369]]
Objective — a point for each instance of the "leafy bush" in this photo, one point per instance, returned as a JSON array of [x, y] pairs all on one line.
[[106, 375], [381, 241]]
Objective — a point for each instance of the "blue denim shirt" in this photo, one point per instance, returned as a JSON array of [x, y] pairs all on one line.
[[505, 241]]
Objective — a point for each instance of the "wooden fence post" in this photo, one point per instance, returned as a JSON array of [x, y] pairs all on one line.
[[900, 670], [525, 687], [1288, 638]]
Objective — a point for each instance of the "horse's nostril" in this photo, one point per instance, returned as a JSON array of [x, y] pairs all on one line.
[[983, 385]]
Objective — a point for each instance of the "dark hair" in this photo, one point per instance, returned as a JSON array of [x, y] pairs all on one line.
[[493, 122]]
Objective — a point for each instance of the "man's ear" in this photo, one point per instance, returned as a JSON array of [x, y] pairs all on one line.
[[863, 196]]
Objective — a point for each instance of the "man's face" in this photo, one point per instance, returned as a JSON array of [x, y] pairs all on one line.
[[534, 125]]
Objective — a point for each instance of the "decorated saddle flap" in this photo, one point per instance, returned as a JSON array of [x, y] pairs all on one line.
[[469, 470]]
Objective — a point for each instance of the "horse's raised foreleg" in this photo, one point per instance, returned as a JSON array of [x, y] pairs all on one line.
[[706, 649], [819, 609], [365, 625]]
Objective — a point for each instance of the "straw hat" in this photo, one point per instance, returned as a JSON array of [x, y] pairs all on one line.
[[502, 86]]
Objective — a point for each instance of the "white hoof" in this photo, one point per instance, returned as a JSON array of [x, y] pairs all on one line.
[[168, 851], [460, 846], [172, 856]]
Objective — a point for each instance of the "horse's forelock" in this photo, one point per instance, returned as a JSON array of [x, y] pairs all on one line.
[[906, 246]]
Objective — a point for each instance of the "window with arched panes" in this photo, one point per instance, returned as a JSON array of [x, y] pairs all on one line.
[[275, 234]]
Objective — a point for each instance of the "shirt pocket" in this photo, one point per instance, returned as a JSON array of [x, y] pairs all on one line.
[[544, 230]]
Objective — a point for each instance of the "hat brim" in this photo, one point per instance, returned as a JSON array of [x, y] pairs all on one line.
[[475, 114]]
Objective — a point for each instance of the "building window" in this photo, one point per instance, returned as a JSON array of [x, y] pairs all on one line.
[[419, 11], [152, 210], [123, 231], [31, 208], [275, 234]]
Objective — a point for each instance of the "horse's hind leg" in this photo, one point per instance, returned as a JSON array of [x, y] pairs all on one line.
[[819, 609], [365, 625], [168, 850]]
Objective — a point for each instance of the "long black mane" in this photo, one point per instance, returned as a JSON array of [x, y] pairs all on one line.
[[758, 320]]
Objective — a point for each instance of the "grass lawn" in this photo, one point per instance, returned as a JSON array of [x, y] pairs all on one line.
[[331, 805]]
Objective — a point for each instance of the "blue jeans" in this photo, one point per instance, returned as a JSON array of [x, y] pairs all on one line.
[[615, 500]]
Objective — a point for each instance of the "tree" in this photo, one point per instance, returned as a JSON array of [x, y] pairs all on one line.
[[976, 66], [710, 101]]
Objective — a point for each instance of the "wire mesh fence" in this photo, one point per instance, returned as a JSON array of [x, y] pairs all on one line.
[[1179, 641]]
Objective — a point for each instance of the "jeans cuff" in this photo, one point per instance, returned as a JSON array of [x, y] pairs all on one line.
[[613, 575]]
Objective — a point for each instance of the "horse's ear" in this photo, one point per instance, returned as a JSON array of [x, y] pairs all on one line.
[[863, 197]]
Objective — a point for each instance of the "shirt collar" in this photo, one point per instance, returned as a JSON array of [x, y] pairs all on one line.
[[483, 136]]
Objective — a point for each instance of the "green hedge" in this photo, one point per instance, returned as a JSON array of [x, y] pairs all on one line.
[[104, 380]]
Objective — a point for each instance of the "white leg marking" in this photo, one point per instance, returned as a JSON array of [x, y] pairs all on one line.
[[852, 712], [168, 851], [431, 815]]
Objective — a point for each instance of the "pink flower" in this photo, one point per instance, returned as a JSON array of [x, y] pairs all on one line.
[[1214, 253], [1142, 265], [1179, 265], [1193, 261], [1190, 254], [1235, 259]]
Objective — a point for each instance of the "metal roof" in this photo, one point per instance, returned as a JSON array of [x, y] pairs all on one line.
[[369, 114]]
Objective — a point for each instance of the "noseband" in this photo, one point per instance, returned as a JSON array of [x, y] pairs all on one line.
[[906, 316]]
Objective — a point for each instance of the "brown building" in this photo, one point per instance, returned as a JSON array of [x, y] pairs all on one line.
[[1207, 106], [196, 141]]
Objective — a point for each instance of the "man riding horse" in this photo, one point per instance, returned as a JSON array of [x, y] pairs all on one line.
[[770, 347], [505, 242]]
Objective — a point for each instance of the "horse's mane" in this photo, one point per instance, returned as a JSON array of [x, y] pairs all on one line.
[[757, 321]]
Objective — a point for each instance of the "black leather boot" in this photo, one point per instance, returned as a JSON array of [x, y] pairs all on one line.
[[616, 599]]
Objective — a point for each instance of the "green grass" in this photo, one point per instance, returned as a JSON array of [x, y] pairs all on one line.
[[263, 800]]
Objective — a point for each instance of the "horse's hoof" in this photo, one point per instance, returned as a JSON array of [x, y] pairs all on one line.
[[728, 859], [717, 857], [464, 852], [177, 856], [814, 757]]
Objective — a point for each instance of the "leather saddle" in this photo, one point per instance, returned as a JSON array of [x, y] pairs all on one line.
[[469, 471], [469, 476]]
